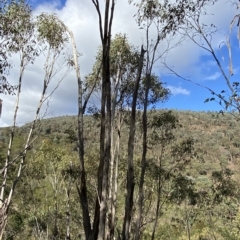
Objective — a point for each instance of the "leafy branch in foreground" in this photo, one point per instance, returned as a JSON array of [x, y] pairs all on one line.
[[25, 32]]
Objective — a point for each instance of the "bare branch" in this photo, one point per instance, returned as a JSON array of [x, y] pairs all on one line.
[[96, 4]]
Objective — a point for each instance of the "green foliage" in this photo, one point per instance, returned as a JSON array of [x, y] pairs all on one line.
[[16, 34], [51, 30], [157, 93], [71, 135], [123, 63], [224, 186], [192, 180], [50, 172], [183, 189]]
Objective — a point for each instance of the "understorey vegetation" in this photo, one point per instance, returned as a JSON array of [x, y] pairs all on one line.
[[121, 167], [191, 187]]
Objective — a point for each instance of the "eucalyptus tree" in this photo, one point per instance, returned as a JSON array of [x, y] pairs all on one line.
[[83, 98], [202, 33], [28, 38], [161, 135], [147, 91], [99, 223], [108, 104], [7, 44], [50, 175], [147, 17], [163, 19], [19, 33], [124, 60], [151, 85]]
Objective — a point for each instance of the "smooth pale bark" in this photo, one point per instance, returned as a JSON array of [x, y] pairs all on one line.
[[4, 204], [130, 170], [82, 188], [49, 66], [22, 68], [115, 190], [68, 214], [114, 101], [111, 215]]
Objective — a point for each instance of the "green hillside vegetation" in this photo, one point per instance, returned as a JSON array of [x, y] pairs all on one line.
[[122, 168], [192, 177]]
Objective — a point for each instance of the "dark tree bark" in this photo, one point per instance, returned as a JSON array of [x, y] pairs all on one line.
[[143, 162], [99, 224], [130, 170]]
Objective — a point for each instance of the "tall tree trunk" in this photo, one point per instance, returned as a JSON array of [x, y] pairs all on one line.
[[113, 200], [4, 203], [159, 192], [82, 188], [99, 224], [68, 213], [107, 153], [22, 68], [143, 162], [114, 152], [49, 66], [151, 51], [130, 170], [3, 218]]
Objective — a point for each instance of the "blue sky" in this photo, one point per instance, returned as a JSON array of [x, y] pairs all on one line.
[[59, 4], [188, 60], [206, 72]]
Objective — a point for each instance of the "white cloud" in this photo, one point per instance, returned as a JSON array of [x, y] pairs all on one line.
[[82, 19], [186, 58], [178, 90], [213, 76]]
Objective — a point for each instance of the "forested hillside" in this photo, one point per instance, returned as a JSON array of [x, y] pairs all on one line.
[[196, 190], [122, 165]]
